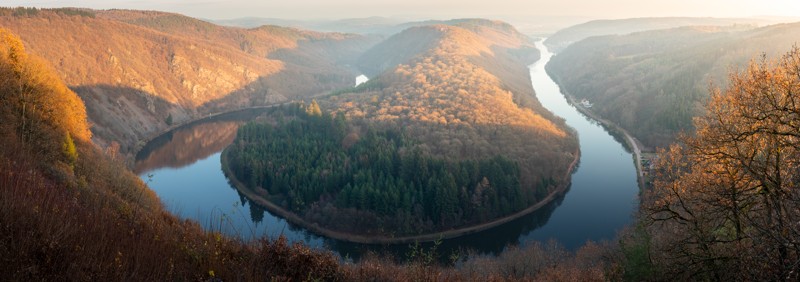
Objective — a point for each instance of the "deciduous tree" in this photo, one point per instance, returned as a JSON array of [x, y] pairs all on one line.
[[725, 203]]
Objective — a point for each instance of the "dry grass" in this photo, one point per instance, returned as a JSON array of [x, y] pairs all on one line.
[[108, 228]]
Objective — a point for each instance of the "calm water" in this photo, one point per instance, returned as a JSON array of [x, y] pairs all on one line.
[[183, 167], [604, 189]]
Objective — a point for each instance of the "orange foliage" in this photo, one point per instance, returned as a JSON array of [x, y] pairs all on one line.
[[725, 204], [466, 97], [30, 84]]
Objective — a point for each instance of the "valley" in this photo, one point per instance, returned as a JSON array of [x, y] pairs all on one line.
[[150, 145]]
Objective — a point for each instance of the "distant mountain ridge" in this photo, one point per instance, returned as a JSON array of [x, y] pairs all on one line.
[[369, 25], [563, 38]]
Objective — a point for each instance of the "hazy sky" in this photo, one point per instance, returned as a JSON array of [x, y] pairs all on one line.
[[440, 9]]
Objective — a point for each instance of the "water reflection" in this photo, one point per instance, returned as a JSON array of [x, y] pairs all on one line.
[[196, 141], [188, 145]]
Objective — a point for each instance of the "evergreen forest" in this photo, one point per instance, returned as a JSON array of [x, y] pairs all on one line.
[[362, 178]]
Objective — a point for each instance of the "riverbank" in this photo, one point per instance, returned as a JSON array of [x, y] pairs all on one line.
[[631, 141], [383, 240]]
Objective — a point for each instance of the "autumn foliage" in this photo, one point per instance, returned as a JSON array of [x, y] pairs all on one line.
[[725, 204], [465, 97], [41, 115], [69, 212], [31, 85]]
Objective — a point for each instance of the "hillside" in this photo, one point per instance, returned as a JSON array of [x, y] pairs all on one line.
[[653, 83], [723, 202], [152, 66], [417, 38], [370, 25], [459, 105], [563, 38]]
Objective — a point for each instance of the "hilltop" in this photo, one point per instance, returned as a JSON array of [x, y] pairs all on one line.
[[653, 83], [564, 37], [140, 71]]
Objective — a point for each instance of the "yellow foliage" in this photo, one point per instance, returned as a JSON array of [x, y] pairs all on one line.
[[34, 87], [313, 109]]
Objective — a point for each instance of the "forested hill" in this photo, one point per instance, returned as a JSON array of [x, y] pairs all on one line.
[[653, 83], [419, 38], [563, 38], [139, 71], [467, 95]]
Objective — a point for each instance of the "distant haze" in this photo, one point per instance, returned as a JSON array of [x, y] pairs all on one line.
[[439, 9]]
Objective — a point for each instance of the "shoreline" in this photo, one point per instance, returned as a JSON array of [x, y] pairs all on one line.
[[632, 142], [384, 240]]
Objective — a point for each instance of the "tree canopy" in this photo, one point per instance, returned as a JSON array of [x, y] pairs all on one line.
[[362, 179], [41, 114], [725, 203]]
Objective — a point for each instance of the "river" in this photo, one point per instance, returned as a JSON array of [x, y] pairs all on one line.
[[183, 168]]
